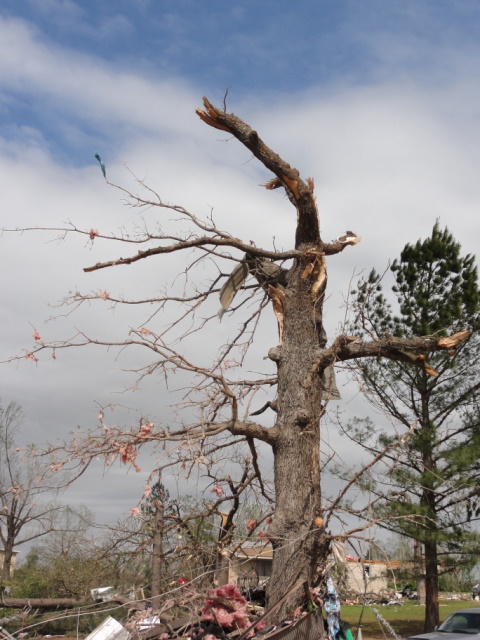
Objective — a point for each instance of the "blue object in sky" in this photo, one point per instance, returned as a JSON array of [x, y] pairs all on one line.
[[102, 166]]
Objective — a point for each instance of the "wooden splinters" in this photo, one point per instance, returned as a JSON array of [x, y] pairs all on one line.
[[274, 183], [277, 297], [210, 116], [450, 342], [292, 185]]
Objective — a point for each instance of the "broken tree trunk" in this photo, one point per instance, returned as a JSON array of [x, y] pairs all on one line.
[[299, 541], [51, 604]]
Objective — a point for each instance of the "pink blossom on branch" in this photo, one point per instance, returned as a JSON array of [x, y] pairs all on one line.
[[217, 489], [146, 429], [251, 524], [127, 453]]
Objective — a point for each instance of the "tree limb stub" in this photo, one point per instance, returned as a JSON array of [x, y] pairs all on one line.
[[349, 348], [267, 405], [308, 229], [253, 430]]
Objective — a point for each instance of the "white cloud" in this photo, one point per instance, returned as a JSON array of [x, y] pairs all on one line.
[[80, 87]]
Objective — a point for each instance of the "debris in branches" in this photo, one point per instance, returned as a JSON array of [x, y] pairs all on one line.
[[102, 167], [350, 238], [233, 284]]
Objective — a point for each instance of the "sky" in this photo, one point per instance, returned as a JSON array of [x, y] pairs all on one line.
[[378, 100]]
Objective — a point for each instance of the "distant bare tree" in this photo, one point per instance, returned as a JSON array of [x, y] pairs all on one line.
[[24, 513]]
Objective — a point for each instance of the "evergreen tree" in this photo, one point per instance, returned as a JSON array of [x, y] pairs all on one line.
[[434, 478]]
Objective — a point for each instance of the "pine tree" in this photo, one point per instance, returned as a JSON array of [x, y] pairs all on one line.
[[434, 479]]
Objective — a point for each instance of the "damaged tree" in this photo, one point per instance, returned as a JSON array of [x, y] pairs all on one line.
[[294, 281], [24, 517]]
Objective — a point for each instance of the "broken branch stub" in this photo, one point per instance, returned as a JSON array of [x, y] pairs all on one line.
[[299, 192]]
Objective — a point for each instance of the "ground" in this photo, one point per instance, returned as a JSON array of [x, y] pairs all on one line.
[[406, 620]]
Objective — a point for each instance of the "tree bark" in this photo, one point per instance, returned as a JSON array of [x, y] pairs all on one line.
[[428, 501], [8, 554], [432, 618], [225, 537], [296, 534], [157, 548], [419, 571]]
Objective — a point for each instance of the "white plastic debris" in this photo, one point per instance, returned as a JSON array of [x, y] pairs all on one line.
[[109, 629]]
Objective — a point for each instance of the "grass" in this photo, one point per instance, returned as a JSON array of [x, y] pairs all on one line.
[[406, 620]]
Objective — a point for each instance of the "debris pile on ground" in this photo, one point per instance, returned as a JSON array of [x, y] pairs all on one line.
[[109, 629], [224, 615], [226, 607]]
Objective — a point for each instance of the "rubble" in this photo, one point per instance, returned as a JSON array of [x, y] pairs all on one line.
[[4, 635], [227, 607], [225, 615], [102, 594], [109, 629]]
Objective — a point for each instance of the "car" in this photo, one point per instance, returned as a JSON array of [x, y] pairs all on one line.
[[456, 626]]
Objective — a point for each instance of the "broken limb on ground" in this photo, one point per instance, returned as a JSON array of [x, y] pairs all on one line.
[[225, 614]]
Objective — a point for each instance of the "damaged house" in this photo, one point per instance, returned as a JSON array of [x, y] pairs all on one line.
[[251, 566], [14, 559]]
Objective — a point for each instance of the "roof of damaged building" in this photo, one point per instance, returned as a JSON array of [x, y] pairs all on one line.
[[253, 549]]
